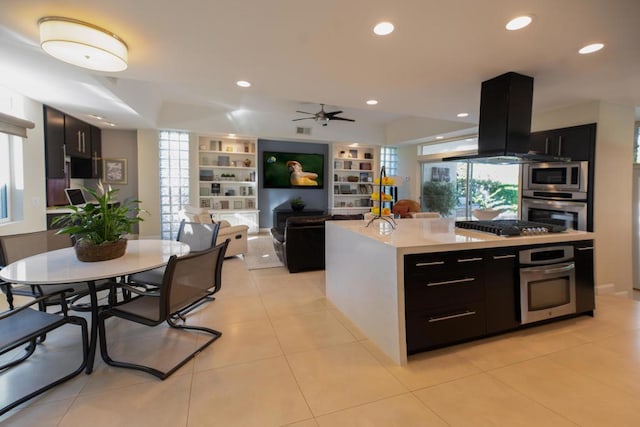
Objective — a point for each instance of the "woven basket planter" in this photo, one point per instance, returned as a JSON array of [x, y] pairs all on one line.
[[102, 252]]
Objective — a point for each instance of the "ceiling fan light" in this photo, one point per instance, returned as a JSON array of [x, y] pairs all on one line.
[[82, 44]]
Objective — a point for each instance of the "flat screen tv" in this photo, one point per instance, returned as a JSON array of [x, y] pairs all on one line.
[[292, 170]]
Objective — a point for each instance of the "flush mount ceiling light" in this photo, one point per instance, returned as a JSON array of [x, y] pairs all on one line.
[[383, 28], [463, 114], [518, 23], [243, 83], [372, 102], [82, 44], [590, 48]]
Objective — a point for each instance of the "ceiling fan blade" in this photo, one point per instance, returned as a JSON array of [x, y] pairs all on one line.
[[304, 118], [333, 113], [304, 112], [341, 118]]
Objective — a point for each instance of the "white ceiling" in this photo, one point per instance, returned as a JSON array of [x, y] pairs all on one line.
[[185, 56]]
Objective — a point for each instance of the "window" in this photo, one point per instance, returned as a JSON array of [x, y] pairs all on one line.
[[389, 160], [636, 144], [5, 178], [174, 180], [457, 188]]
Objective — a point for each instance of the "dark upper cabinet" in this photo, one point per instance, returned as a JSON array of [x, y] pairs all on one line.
[[96, 152], [54, 142], [576, 142], [91, 167], [77, 138]]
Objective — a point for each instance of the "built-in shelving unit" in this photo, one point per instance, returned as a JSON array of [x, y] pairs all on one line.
[[354, 168], [227, 179]]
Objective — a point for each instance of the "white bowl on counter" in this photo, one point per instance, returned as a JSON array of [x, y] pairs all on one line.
[[486, 214]]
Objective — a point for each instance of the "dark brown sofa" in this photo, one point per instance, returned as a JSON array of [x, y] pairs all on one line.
[[300, 246]]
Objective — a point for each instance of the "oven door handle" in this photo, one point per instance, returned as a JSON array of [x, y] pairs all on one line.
[[545, 270]]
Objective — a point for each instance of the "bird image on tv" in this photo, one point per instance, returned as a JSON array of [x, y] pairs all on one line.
[[300, 177], [293, 170]]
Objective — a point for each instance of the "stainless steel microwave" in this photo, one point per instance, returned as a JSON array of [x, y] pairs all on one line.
[[556, 177]]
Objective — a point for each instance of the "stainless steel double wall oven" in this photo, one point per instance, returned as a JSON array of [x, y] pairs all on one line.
[[557, 193]]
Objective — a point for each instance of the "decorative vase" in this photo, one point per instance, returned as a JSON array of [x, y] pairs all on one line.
[[88, 252], [297, 208]]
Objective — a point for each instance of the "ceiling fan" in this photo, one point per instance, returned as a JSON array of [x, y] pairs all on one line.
[[323, 117]]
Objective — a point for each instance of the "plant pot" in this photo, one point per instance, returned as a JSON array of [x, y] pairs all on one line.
[[297, 208], [88, 252]]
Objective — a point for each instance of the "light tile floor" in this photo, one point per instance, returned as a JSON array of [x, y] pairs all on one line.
[[288, 357]]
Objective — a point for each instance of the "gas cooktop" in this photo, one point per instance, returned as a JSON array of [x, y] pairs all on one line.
[[511, 227]]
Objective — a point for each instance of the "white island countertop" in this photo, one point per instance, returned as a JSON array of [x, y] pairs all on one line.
[[420, 235]]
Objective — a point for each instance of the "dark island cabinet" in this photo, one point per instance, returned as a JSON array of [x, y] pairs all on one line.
[[54, 142], [502, 296], [585, 292], [444, 298], [575, 142], [451, 297]]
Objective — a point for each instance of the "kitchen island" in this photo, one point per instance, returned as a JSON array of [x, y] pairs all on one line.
[[387, 281]]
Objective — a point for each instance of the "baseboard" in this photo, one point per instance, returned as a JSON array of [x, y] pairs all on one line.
[[606, 289]]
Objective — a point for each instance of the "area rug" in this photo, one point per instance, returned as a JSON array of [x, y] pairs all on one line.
[[261, 253]]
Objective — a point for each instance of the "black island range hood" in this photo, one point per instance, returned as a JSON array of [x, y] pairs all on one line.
[[505, 123]]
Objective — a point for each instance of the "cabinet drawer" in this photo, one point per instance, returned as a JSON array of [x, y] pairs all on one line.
[[441, 264], [435, 292], [445, 325]]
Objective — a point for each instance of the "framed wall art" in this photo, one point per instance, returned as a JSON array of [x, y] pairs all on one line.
[[114, 171]]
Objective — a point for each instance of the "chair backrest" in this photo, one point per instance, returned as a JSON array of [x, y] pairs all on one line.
[[199, 236], [187, 279], [18, 246]]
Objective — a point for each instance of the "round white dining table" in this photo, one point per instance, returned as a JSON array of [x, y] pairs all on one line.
[[62, 266]]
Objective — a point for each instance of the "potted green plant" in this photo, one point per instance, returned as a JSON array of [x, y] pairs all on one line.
[[439, 196], [99, 227], [297, 204]]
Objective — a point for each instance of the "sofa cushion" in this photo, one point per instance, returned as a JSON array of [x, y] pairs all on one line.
[[347, 217], [306, 221]]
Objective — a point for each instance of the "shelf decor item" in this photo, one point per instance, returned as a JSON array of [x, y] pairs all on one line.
[[297, 204], [99, 227], [379, 212]]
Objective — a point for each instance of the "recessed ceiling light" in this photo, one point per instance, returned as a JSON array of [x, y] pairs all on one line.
[[439, 137], [96, 117], [372, 102], [243, 83], [463, 114], [590, 48], [232, 135], [109, 124], [518, 23], [383, 28]]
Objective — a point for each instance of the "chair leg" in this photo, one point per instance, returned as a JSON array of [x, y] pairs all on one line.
[[29, 349], [85, 350], [104, 352]]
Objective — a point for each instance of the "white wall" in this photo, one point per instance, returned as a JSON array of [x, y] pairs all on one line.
[[149, 182], [613, 184]]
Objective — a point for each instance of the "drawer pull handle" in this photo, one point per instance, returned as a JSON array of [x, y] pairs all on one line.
[[586, 248], [503, 256], [451, 282], [425, 264], [470, 259], [453, 316]]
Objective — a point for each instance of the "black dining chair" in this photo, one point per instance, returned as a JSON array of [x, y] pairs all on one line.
[[22, 326], [186, 281], [18, 246], [199, 237]]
